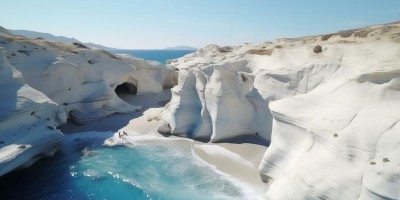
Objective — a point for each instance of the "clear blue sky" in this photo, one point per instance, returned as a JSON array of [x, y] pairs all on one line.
[[153, 24]]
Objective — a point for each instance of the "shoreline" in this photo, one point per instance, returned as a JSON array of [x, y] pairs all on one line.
[[239, 160]]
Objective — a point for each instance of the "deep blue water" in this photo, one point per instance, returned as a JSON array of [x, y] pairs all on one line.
[[157, 55], [85, 169], [152, 170]]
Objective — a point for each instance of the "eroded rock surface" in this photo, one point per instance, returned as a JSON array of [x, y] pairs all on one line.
[[332, 114]]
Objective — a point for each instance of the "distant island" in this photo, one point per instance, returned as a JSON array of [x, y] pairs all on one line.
[[181, 48]]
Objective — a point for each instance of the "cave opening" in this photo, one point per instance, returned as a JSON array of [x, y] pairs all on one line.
[[126, 88]]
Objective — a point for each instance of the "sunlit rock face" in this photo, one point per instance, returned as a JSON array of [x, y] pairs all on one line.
[[28, 121], [343, 145], [329, 105], [80, 79], [215, 103], [43, 83]]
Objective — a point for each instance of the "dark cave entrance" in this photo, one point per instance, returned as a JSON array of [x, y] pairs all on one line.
[[126, 88]]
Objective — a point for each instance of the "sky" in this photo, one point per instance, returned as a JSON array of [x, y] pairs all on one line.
[[156, 24]]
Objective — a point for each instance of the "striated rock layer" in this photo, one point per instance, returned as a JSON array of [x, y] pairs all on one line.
[[215, 103], [329, 104], [83, 80], [43, 83], [28, 121]]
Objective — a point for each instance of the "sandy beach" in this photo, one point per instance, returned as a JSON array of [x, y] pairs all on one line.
[[238, 160], [200, 100]]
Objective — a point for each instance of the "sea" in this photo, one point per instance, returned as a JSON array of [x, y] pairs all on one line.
[[86, 169], [161, 56]]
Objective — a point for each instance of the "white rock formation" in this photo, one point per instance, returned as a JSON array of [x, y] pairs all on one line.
[[215, 103], [42, 83], [83, 80], [149, 71], [335, 105], [28, 121]]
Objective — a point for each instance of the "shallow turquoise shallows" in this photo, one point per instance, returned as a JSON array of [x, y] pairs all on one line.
[[85, 169]]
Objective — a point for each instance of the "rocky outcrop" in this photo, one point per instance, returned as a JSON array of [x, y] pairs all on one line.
[[28, 121], [338, 134], [215, 104], [82, 80], [334, 109], [43, 83]]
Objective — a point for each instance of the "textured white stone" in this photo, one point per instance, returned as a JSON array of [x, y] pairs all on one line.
[[83, 80], [44, 83], [28, 121], [335, 114]]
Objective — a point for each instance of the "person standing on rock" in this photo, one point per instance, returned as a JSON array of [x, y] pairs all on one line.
[[119, 134]]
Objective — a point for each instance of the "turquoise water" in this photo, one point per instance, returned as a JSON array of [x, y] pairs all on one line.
[[157, 55], [85, 169]]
